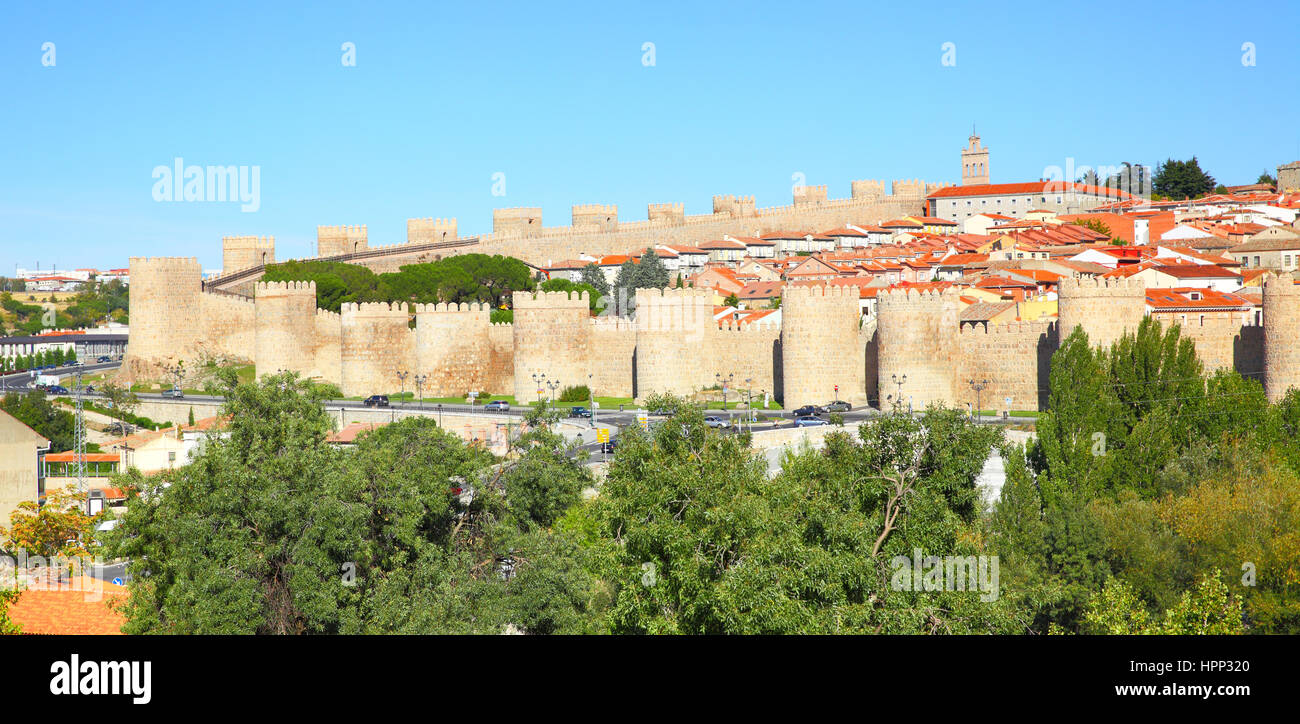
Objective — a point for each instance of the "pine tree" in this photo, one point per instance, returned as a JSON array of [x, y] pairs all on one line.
[[651, 272]]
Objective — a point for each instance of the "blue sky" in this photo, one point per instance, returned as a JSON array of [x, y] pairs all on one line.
[[556, 97]]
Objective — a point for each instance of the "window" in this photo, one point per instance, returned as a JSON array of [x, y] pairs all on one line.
[[1202, 320], [1257, 261]]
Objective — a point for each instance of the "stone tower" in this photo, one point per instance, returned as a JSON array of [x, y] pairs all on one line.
[[423, 231], [452, 347], [1281, 329], [165, 320], [1288, 178], [242, 252], [673, 331], [552, 337], [1105, 308], [337, 240], [376, 342], [285, 332], [920, 355], [974, 163], [821, 347]]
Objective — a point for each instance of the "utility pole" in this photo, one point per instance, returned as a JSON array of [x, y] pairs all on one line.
[[978, 387], [79, 440]]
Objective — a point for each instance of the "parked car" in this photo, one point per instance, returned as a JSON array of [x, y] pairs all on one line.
[[715, 422], [497, 406], [175, 392], [809, 421], [807, 410], [662, 412], [579, 412], [376, 401], [839, 406], [104, 358]]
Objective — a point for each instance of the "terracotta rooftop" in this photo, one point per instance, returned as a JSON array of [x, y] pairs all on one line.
[[64, 612]]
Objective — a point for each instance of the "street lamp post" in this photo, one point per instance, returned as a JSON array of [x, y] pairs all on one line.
[[439, 414], [554, 385], [419, 387], [401, 376], [898, 394], [591, 396], [540, 380], [978, 387]]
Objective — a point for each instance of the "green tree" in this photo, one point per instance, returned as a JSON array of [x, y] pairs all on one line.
[[651, 272], [1182, 180]]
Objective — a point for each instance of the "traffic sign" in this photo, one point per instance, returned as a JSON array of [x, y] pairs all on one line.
[[602, 435], [118, 582]]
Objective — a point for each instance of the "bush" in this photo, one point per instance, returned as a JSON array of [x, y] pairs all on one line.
[[580, 393]]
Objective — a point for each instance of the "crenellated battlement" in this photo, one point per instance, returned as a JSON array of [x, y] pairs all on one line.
[[836, 292], [1098, 286], [421, 231], [454, 308], [909, 187], [736, 206], [262, 288], [164, 263], [809, 194], [374, 309], [243, 252], [1013, 329], [517, 221], [550, 300], [867, 189]]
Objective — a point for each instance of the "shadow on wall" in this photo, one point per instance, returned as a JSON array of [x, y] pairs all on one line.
[[1248, 353], [1048, 342], [778, 372]]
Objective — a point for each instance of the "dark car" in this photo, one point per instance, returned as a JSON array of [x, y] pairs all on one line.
[[839, 406], [376, 401], [662, 412], [809, 421], [608, 447], [57, 390], [579, 412], [104, 358], [497, 406], [807, 410]]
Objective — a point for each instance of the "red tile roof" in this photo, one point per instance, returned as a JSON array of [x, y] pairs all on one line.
[[63, 611]]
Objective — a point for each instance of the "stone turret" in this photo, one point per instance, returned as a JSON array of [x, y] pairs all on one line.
[[552, 337], [821, 347], [1281, 329], [673, 330], [920, 357], [166, 324], [1105, 308]]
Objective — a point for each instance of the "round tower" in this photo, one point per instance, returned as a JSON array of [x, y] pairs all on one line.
[[552, 333], [452, 347], [673, 353], [1281, 326], [821, 347], [285, 331], [165, 320], [919, 357], [1105, 308], [376, 342]]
